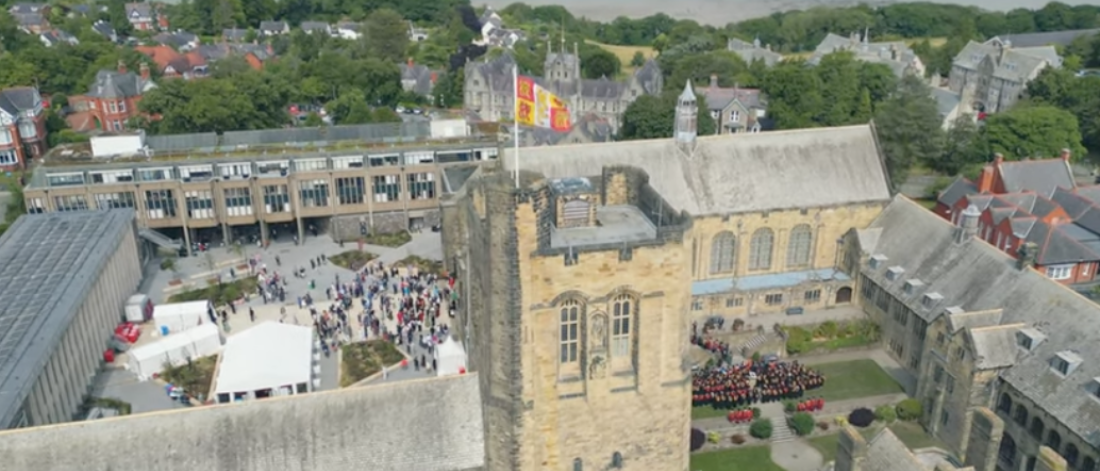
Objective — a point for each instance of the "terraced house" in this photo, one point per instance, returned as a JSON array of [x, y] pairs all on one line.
[[981, 330]]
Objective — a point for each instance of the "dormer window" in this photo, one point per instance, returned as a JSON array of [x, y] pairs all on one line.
[[912, 286], [930, 300], [894, 273], [877, 261], [1029, 338], [1065, 362]]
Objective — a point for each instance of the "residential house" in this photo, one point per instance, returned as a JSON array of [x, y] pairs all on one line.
[[55, 36], [171, 63], [105, 29], [1051, 38], [273, 28], [31, 17], [84, 10], [736, 109], [349, 30], [319, 27], [179, 40], [751, 52], [23, 131], [110, 101], [234, 35], [489, 90], [142, 16], [953, 106], [998, 71], [417, 78], [1034, 204], [417, 34], [895, 54], [255, 55], [493, 32], [982, 333]]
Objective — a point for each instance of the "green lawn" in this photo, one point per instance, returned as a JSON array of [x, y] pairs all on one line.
[[706, 412], [909, 433], [854, 379], [750, 458]]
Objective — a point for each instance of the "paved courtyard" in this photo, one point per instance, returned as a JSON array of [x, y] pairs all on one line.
[[146, 396]]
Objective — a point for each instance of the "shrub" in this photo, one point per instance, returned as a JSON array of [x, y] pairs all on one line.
[[738, 439], [861, 417], [761, 428], [756, 412], [827, 329], [714, 437], [698, 439], [738, 324], [802, 423], [799, 340], [840, 420], [823, 425], [755, 356], [909, 409], [790, 405], [886, 413]]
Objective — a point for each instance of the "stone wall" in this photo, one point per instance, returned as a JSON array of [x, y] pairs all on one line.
[[986, 430], [851, 450], [349, 227]]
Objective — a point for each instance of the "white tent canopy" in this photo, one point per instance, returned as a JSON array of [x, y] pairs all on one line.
[[270, 355], [174, 350], [178, 317], [450, 357]]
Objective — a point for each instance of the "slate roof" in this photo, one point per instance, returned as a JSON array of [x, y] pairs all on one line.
[[105, 29], [319, 26], [25, 8], [177, 39], [30, 19], [1040, 176], [750, 52], [885, 452], [946, 101], [976, 276], [423, 77], [425, 425], [234, 34], [166, 57], [112, 84], [994, 347], [139, 11], [1009, 63], [1060, 38], [736, 173], [896, 54], [15, 100], [718, 98], [273, 27], [57, 36]]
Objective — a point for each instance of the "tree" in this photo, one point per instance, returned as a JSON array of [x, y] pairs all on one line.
[[1033, 131], [600, 62], [386, 35], [909, 128], [448, 91], [350, 108], [638, 60], [654, 117], [794, 95], [962, 146]]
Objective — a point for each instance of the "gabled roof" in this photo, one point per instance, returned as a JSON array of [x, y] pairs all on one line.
[[166, 57], [1040, 176], [994, 347], [958, 188], [976, 276], [736, 173], [234, 34], [1060, 38], [319, 26], [30, 19], [23, 8], [718, 98], [139, 11], [885, 452], [176, 39], [113, 84], [1009, 63], [273, 26], [19, 99], [105, 29]]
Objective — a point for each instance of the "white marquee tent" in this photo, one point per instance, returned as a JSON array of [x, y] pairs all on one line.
[[450, 357], [178, 317], [175, 350], [268, 359]]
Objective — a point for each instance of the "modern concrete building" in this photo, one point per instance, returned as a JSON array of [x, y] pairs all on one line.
[[217, 192], [65, 278]]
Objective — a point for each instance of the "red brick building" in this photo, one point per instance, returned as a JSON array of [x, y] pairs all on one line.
[[110, 101], [174, 64], [1037, 203], [22, 127]]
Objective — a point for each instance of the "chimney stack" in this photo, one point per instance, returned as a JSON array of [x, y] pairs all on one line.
[[1066, 154], [410, 62], [713, 80], [968, 224], [851, 450], [998, 158], [144, 70], [121, 67]]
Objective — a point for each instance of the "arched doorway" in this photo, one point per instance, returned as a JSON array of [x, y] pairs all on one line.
[[1007, 452], [844, 295]]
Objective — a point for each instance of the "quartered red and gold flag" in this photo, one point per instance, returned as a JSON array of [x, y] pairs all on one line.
[[536, 106]]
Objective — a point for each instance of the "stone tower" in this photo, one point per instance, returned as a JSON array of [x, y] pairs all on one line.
[[687, 114], [561, 66], [573, 337]]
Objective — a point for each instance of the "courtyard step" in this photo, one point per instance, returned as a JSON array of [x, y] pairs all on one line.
[[754, 342], [780, 431]]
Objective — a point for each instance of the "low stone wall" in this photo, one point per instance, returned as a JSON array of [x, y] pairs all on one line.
[[348, 228]]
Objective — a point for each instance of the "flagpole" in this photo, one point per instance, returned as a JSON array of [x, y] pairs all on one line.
[[515, 120]]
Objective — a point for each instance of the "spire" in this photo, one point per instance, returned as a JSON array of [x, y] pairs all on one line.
[[686, 115], [688, 94], [867, 35], [563, 36], [756, 42]]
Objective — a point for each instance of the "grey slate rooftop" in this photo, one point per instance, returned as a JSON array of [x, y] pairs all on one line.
[[736, 173], [1060, 38], [1011, 63], [976, 276], [48, 263], [426, 425]]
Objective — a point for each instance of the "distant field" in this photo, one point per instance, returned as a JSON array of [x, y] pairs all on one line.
[[626, 53]]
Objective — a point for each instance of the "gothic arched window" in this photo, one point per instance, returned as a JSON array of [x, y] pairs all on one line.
[[1071, 455], [1021, 415], [800, 245], [1037, 428], [570, 331], [1005, 404], [622, 326], [1054, 440], [760, 249], [723, 252]]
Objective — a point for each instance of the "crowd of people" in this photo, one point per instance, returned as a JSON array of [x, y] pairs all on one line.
[[751, 382]]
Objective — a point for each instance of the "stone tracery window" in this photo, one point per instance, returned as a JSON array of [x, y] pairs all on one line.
[[760, 249], [570, 332], [622, 326], [723, 252], [1071, 455], [800, 245]]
